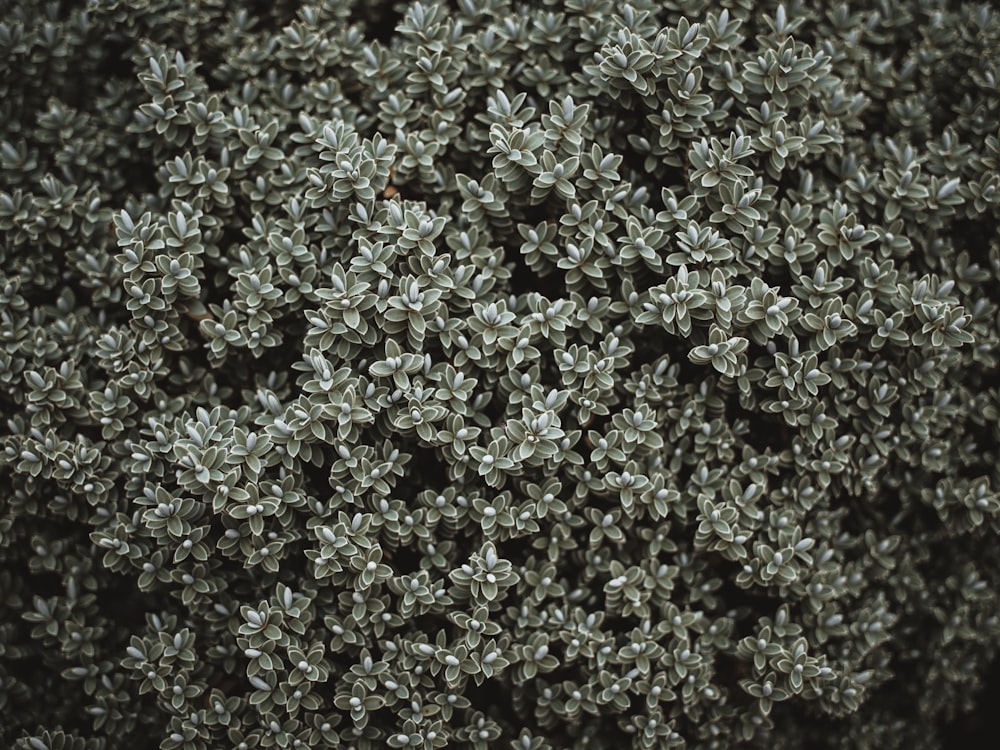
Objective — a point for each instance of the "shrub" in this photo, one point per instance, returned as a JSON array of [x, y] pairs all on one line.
[[477, 374]]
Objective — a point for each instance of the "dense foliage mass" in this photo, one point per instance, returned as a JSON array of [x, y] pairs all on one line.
[[479, 374]]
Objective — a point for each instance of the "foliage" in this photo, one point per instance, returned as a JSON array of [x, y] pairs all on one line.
[[485, 374]]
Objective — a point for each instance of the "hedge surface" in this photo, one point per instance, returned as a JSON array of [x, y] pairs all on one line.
[[481, 374]]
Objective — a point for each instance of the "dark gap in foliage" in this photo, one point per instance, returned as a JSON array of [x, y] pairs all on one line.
[[975, 730], [381, 19]]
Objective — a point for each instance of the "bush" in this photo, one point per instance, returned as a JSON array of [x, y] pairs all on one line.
[[491, 375]]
